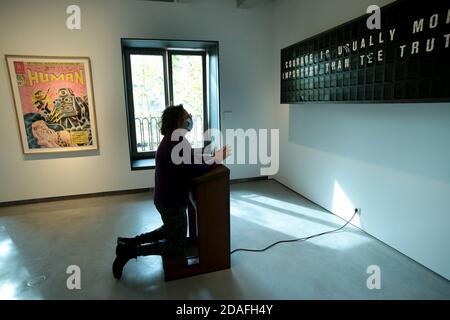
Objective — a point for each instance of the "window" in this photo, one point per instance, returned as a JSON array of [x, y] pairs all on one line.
[[188, 89], [149, 99], [159, 73]]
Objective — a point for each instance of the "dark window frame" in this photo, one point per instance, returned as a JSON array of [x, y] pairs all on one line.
[[209, 50], [135, 155], [203, 54]]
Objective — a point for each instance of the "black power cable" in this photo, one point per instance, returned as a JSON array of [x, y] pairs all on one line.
[[295, 240]]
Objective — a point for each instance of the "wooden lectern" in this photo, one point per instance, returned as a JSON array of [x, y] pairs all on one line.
[[209, 227]]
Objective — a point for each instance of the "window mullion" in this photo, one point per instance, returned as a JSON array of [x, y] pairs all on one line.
[[169, 78], [166, 78]]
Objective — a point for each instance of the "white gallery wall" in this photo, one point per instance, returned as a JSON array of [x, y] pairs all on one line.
[[390, 160], [39, 28]]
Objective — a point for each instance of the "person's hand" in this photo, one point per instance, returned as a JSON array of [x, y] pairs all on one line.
[[222, 154]]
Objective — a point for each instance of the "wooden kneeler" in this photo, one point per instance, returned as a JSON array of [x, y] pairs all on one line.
[[209, 227]]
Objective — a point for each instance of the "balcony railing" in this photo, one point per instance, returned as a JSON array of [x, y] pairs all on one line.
[[148, 135]]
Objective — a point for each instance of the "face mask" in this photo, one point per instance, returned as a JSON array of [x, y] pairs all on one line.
[[190, 124]]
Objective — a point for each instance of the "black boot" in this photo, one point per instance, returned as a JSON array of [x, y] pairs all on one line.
[[124, 254], [173, 259], [155, 235], [156, 248]]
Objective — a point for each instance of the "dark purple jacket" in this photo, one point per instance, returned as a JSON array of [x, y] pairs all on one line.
[[172, 181]]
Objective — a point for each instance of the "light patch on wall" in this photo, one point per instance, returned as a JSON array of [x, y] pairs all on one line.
[[343, 206]]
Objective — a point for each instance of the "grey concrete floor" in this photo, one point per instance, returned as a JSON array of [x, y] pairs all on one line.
[[44, 239]]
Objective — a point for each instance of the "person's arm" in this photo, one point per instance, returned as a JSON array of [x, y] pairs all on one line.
[[205, 163], [200, 164]]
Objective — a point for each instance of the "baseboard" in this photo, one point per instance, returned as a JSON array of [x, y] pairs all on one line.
[[233, 181], [103, 194], [73, 197]]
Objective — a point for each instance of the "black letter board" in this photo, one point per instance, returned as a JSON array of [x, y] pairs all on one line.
[[407, 60]]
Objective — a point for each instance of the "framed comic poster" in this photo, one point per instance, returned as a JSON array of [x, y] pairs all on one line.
[[54, 103]]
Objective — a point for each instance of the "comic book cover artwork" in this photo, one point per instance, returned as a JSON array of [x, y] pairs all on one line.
[[54, 104]]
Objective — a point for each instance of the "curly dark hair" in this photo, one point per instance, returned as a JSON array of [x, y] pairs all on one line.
[[171, 118]]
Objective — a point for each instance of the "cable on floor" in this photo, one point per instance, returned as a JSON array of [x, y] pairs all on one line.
[[298, 239]]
